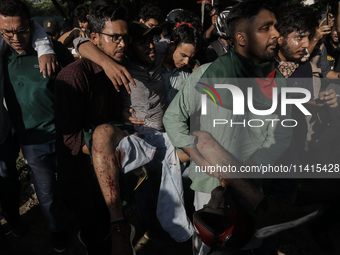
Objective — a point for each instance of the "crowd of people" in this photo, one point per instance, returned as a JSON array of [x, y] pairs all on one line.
[[116, 111]]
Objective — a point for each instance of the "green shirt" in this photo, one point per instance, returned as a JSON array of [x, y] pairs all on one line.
[[29, 97], [263, 144]]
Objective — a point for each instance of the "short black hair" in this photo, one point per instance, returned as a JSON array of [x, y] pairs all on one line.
[[150, 11], [185, 34], [190, 17], [243, 12], [296, 17], [13, 8], [101, 14], [81, 12]]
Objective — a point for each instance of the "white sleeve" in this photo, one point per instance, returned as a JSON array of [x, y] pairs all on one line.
[[41, 42], [79, 40]]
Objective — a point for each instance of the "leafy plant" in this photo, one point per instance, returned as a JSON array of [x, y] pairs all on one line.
[[22, 168]]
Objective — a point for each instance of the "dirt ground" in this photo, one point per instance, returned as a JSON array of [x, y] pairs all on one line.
[[36, 241], [321, 237]]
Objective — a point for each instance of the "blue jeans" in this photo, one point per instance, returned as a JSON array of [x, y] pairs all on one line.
[[170, 205], [9, 182], [41, 161]]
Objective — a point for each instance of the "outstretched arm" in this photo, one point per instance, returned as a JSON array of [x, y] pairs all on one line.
[[208, 152], [320, 32], [116, 72], [42, 44]]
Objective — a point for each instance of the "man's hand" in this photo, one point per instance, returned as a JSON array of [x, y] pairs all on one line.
[[118, 75], [200, 161], [85, 150], [127, 112], [213, 20], [223, 182], [321, 30], [48, 65], [328, 97], [115, 71]]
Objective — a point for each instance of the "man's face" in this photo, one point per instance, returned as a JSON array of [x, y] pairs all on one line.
[[261, 43], [182, 54], [334, 36], [150, 22], [294, 46], [144, 50], [16, 32], [107, 44], [83, 25]]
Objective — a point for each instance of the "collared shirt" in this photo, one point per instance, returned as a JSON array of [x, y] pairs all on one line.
[[85, 97], [41, 43], [264, 144], [173, 81], [148, 98], [29, 97]]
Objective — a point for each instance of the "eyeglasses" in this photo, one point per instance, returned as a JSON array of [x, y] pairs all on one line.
[[10, 34], [117, 38]]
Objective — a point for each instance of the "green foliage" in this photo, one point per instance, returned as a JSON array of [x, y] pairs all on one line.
[[45, 7], [321, 6], [22, 168]]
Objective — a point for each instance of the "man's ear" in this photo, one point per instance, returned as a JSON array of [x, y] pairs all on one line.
[[94, 38], [241, 38], [280, 40]]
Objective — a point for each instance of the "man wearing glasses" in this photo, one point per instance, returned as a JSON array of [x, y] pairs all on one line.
[[29, 97], [88, 111], [144, 107]]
